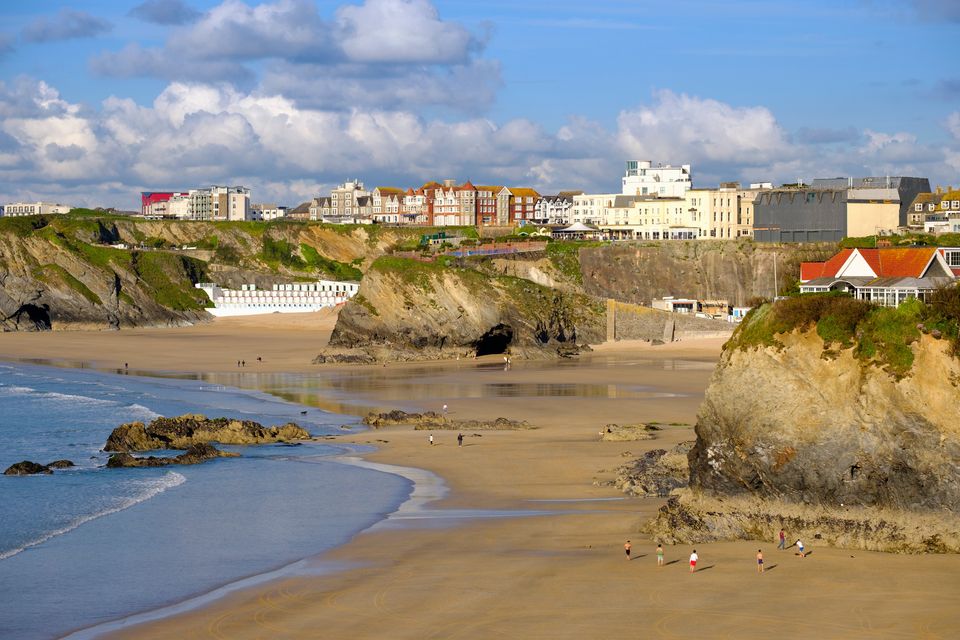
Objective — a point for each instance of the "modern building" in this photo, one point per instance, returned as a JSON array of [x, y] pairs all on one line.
[[641, 178], [832, 209], [17, 209], [883, 276], [266, 212]]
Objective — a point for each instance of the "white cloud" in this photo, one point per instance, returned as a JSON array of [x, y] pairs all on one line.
[[953, 125], [67, 24], [198, 133]]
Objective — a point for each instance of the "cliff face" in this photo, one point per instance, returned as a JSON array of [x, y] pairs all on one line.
[[799, 423], [59, 272], [427, 308], [733, 270]]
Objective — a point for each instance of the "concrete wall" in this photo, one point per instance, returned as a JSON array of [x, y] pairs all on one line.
[[870, 218], [634, 322], [801, 215]]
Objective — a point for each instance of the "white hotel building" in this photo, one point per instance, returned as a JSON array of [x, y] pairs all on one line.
[[17, 209]]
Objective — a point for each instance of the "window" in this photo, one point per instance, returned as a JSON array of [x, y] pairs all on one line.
[[918, 207]]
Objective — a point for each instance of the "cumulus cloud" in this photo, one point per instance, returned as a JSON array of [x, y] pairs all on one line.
[[197, 133], [67, 24], [165, 12], [386, 53]]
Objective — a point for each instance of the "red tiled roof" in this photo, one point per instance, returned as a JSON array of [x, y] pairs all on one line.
[[828, 269], [901, 262]]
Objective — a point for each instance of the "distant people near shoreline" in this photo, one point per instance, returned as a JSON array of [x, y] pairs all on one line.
[[659, 554], [783, 540], [431, 439], [693, 561], [626, 548], [759, 561]]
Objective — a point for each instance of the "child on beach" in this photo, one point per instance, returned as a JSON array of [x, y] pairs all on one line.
[[783, 540], [759, 561], [431, 439], [800, 548], [659, 554], [693, 561], [626, 548]]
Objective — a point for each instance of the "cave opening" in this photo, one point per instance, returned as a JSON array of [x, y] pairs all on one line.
[[38, 318], [494, 341]]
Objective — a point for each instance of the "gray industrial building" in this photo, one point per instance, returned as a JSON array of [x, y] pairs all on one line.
[[821, 212]]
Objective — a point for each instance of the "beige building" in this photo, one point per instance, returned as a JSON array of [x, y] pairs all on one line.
[[16, 209], [219, 203], [871, 211]]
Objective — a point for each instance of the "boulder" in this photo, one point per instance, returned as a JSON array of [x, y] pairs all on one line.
[[433, 420], [26, 468], [60, 464], [184, 431]]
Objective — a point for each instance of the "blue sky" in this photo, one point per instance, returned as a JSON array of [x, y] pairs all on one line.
[[101, 99]]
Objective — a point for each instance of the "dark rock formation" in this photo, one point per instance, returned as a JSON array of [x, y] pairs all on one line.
[[434, 420], [60, 464], [656, 473], [183, 431], [195, 454], [26, 468], [792, 423], [628, 432]]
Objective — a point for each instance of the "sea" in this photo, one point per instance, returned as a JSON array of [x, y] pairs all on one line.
[[89, 545]]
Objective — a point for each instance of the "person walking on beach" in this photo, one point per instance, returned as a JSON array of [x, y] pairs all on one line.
[[431, 439], [459, 439], [783, 540], [693, 561], [444, 409], [759, 561], [626, 548], [800, 548], [659, 554]]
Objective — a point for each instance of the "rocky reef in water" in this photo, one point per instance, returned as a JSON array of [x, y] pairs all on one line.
[[826, 406], [195, 454], [185, 431], [29, 468]]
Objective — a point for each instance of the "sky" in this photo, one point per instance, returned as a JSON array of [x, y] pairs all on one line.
[[103, 99]]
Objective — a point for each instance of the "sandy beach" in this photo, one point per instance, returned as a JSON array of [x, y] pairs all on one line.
[[559, 574]]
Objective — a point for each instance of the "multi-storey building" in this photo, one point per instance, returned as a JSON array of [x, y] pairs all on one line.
[[16, 209], [591, 208], [946, 216], [643, 179], [555, 210], [649, 218], [523, 205], [487, 201], [923, 204], [345, 205], [387, 202], [416, 207], [219, 203]]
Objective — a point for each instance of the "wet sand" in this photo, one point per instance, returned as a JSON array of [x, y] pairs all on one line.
[[563, 574]]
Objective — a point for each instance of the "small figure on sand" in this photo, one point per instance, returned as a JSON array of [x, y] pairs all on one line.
[[431, 439], [659, 554], [243, 363], [693, 561], [759, 561], [126, 365], [626, 548], [238, 363], [259, 359], [444, 409], [800, 548], [783, 540], [459, 439]]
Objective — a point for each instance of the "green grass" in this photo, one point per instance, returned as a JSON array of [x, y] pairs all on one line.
[[51, 273], [333, 268], [880, 336], [23, 226], [565, 256], [169, 279], [280, 252], [366, 304]]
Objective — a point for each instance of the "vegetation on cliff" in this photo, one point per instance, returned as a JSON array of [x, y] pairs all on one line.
[[880, 336]]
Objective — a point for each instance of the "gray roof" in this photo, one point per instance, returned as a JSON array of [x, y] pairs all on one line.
[[888, 283]]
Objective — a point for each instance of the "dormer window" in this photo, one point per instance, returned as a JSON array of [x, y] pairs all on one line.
[[918, 207]]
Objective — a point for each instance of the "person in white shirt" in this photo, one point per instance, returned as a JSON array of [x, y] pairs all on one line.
[[693, 561], [800, 549]]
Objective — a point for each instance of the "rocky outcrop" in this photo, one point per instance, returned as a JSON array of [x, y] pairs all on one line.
[[657, 473], [26, 468], [433, 420], [195, 454], [431, 311], [800, 423], [628, 432], [185, 431]]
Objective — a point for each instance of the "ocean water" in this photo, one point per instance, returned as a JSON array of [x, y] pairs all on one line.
[[89, 544]]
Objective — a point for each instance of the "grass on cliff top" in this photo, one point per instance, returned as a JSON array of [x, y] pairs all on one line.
[[169, 279], [565, 256], [422, 274], [879, 335]]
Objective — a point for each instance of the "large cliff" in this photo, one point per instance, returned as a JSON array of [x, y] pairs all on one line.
[[827, 401], [732, 270], [61, 272], [439, 308]]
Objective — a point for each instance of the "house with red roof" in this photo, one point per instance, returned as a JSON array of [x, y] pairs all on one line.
[[886, 276]]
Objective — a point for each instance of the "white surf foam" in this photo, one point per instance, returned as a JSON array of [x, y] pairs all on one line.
[[152, 488]]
